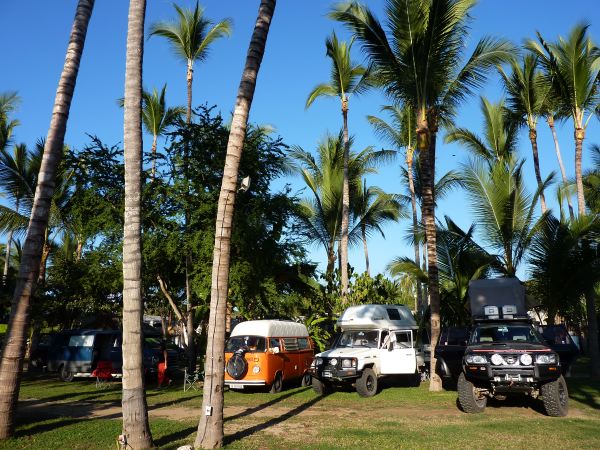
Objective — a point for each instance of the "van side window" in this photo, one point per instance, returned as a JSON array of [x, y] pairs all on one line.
[[303, 343], [290, 344], [274, 342], [81, 340]]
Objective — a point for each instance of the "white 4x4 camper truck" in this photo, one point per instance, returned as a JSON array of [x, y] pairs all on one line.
[[375, 341]]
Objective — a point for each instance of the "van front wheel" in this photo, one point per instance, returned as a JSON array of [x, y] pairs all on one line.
[[277, 384], [366, 385], [320, 387], [65, 374]]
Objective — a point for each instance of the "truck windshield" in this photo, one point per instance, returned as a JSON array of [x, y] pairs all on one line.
[[254, 344], [358, 338], [493, 334]]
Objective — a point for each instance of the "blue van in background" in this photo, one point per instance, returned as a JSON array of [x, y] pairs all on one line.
[[75, 353]]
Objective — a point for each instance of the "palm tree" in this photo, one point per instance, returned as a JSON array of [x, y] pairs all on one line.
[[321, 216], [14, 341], [527, 96], [572, 66], [8, 103], [503, 209], [347, 78], [210, 427], [421, 64], [500, 134], [371, 210], [136, 428], [156, 117], [400, 133], [191, 37]]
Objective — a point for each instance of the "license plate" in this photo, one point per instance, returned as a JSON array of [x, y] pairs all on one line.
[[326, 374], [236, 386]]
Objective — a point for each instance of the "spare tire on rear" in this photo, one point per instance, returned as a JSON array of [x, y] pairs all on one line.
[[237, 366]]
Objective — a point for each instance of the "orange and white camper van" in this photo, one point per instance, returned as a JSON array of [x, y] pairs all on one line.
[[267, 353]]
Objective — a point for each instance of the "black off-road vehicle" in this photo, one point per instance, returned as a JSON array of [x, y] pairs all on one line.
[[505, 354]]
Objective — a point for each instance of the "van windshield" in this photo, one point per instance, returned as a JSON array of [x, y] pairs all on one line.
[[252, 344], [358, 338], [494, 334]]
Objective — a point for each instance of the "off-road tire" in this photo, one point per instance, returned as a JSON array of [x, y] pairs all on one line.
[[65, 374], [467, 398], [277, 384], [366, 385], [556, 397], [306, 380], [321, 387]]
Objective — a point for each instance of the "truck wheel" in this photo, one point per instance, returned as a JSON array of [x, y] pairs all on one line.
[[556, 398], [321, 387], [366, 385], [306, 380], [65, 374], [277, 384], [470, 401]]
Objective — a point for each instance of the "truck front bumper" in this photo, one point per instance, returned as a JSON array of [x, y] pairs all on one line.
[[328, 373], [512, 375]]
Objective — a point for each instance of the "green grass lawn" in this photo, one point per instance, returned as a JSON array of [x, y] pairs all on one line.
[[398, 417]]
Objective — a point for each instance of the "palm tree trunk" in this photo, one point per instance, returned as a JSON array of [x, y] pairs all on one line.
[[14, 340], [330, 264], [579, 136], [136, 428], [550, 120], [190, 79], [592, 331], [153, 173], [43, 262], [536, 166], [426, 144], [364, 239], [7, 257], [210, 427], [345, 206], [413, 202]]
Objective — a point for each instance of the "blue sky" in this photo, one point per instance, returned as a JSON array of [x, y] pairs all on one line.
[[36, 33]]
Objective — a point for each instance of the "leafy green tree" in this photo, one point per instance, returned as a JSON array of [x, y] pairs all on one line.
[[9, 102], [347, 78], [417, 60]]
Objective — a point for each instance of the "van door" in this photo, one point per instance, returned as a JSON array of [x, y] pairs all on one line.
[[398, 356]]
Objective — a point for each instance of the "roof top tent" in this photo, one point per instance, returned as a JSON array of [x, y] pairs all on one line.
[[498, 298], [376, 317], [274, 328]]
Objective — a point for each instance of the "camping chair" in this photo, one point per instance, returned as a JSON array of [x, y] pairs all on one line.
[[103, 373], [192, 380]]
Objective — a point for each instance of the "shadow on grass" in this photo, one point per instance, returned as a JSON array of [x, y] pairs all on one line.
[[257, 408], [271, 422], [585, 390], [174, 437]]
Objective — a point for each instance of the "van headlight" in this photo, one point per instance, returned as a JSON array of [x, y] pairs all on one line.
[[545, 359], [476, 359], [526, 359], [348, 363], [333, 361], [319, 361], [497, 360], [256, 369]]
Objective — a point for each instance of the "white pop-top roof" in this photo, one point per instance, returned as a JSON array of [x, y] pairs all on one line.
[[270, 328], [377, 316]]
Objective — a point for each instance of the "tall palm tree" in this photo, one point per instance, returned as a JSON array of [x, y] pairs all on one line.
[[136, 428], [500, 134], [191, 36], [8, 103], [210, 427], [371, 210], [419, 62], [503, 209], [347, 78], [572, 66], [527, 97], [400, 134], [13, 351]]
